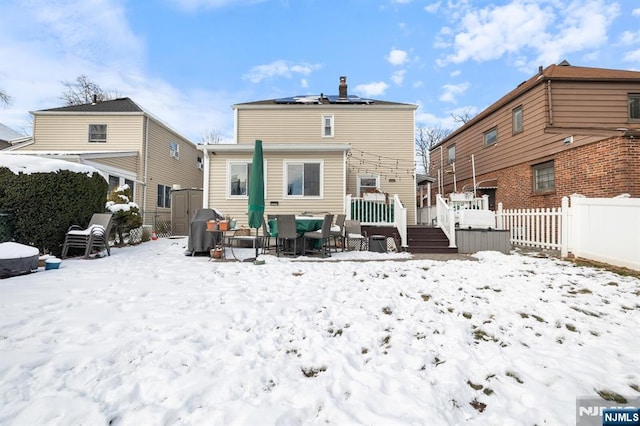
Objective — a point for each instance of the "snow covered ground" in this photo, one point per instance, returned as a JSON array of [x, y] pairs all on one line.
[[150, 336]]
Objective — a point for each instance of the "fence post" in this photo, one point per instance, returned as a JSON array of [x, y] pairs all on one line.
[[499, 218], [566, 228], [485, 202], [348, 207]]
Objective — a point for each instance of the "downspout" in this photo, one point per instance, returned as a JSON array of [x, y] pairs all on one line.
[[145, 168], [441, 168], [473, 168], [550, 106], [344, 182], [205, 178]]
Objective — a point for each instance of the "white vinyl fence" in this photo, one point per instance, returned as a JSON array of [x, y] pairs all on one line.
[[601, 229], [541, 228]]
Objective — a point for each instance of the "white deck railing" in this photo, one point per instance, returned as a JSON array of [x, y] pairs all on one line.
[[446, 219], [383, 211]]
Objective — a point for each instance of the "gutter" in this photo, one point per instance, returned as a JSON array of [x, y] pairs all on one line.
[[145, 168]]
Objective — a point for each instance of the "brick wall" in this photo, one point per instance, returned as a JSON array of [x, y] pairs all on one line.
[[600, 170]]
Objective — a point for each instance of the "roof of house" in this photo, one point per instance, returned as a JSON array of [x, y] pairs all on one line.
[[7, 133], [342, 98], [560, 72], [321, 99], [119, 105], [114, 105]]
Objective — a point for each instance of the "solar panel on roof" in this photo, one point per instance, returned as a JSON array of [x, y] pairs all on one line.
[[314, 99], [351, 99]]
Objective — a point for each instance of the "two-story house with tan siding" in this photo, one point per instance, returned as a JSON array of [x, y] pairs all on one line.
[[567, 130], [317, 149], [127, 143]]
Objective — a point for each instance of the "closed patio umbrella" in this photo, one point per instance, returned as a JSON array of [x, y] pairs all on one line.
[[256, 190]]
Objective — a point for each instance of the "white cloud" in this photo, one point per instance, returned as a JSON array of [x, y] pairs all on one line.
[[542, 31], [95, 31], [433, 7], [193, 5], [455, 73], [635, 12], [304, 83], [629, 37], [633, 56], [278, 68], [397, 57], [451, 91], [418, 84], [372, 89], [398, 77], [53, 41]]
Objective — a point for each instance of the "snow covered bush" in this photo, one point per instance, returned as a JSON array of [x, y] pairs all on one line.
[[126, 213], [44, 197]]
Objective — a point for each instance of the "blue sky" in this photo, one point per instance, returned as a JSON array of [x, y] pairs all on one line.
[[188, 61]]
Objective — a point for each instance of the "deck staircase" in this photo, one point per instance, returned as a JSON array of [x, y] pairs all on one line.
[[427, 239]]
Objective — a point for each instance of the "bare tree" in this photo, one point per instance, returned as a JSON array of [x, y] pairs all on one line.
[[83, 90], [463, 117], [427, 138], [4, 98], [211, 137]]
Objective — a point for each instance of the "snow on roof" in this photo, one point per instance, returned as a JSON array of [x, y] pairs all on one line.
[[28, 164]]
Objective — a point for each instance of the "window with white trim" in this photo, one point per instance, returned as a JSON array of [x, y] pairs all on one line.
[[97, 133], [544, 177], [118, 181], [634, 106], [490, 137], [303, 179], [174, 150], [327, 125], [199, 163], [368, 183], [238, 178], [164, 196]]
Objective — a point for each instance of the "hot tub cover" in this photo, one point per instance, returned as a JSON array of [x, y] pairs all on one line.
[[16, 259]]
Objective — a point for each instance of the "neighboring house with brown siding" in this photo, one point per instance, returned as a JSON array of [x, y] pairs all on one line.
[[317, 149], [564, 131], [124, 141]]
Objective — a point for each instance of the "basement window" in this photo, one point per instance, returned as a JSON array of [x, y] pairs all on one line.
[[544, 177]]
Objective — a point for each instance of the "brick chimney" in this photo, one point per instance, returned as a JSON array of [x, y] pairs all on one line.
[[342, 88]]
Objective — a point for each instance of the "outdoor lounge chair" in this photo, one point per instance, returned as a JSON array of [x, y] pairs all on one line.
[[318, 241], [94, 237]]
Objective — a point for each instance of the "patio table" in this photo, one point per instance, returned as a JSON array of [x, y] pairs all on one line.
[[303, 224]]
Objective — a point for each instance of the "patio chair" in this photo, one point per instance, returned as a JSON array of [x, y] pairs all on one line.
[[318, 241], [266, 237], [287, 240], [353, 233], [94, 237], [337, 231]]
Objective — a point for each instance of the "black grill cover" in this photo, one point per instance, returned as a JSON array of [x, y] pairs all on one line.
[[199, 239]]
